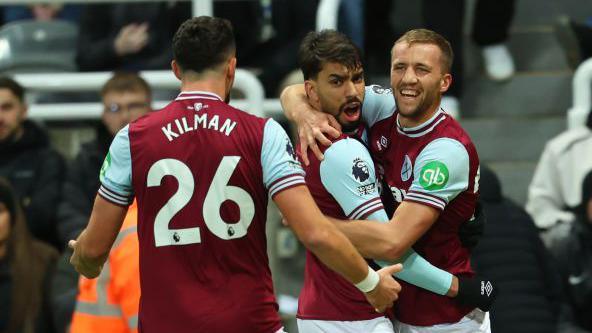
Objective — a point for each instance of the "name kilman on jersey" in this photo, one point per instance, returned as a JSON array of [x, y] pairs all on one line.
[[182, 125]]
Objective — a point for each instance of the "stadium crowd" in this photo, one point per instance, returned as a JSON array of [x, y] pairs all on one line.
[[539, 256]]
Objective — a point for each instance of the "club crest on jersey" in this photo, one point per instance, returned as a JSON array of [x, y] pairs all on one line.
[[433, 176], [406, 169], [360, 170]]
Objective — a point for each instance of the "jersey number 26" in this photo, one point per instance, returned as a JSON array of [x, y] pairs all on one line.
[[218, 192]]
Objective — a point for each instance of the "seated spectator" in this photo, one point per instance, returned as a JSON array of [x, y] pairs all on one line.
[[512, 254], [41, 12], [25, 266], [574, 262], [555, 188], [34, 169], [126, 97], [128, 36], [110, 302]]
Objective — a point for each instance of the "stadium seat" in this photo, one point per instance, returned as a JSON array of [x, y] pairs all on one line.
[[35, 46]]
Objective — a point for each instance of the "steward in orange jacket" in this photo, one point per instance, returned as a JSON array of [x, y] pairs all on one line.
[[110, 302]]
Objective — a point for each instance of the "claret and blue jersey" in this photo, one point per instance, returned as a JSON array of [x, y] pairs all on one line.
[[434, 164], [202, 173]]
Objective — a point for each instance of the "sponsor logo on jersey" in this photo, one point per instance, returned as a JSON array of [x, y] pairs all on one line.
[[433, 176], [105, 166], [360, 170], [366, 189], [381, 90], [406, 169]]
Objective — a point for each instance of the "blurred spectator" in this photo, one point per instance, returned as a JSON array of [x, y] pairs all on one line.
[[555, 189], [490, 29], [268, 34], [513, 255], [110, 302], [351, 20], [575, 39], [126, 97], [33, 168], [128, 36], [42, 12], [25, 267], [574, 262]]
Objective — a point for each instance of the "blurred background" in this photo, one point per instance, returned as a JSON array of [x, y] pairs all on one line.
[[521, 88]]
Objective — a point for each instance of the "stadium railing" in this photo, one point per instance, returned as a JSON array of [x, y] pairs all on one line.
[[245, 82], [582, 97]]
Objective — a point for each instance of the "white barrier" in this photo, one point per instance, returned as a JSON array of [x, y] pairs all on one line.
[[245, 82], [581, 98]]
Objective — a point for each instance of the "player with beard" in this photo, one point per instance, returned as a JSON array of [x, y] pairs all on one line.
[[202, 172], [432, 170]]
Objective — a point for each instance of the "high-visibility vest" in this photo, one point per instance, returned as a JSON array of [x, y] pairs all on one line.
[[110, 302]]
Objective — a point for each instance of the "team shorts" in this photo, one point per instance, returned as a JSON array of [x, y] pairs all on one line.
[[377, 325], [476, 321]]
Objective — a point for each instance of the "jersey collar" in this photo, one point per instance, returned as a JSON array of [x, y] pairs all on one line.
[[197, 94], [423, 129]]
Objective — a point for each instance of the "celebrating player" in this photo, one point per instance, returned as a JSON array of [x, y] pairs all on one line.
[[431, 167], [201, 172]]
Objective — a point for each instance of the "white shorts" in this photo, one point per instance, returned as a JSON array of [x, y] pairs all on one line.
[[475, 322], [377, 325]]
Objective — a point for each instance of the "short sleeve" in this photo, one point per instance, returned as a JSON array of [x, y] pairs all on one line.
[[379, 103], [281, 168], [347, 172], [116, 172], [441, 172]]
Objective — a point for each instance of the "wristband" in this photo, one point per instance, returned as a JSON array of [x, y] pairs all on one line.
[[370, 282]]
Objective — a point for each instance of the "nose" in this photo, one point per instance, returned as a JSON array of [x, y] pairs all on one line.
[[409, 76], [350, 89]]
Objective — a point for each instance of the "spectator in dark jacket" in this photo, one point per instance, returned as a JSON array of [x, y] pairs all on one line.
[[128, 36], [126, 97], [574, 261], [512, 254], [25, 268], [33, 168]]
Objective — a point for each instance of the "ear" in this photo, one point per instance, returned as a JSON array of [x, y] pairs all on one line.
[[231, 68], [445, 82], [176, 69], [311, 93]]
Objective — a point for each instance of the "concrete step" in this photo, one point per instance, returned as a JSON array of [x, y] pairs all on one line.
[[524, 95], [515, 139]]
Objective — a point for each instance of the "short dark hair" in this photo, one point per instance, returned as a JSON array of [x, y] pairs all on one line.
[[14, 87], [425, 36], [318, 48], [202, 43], [124, 82]]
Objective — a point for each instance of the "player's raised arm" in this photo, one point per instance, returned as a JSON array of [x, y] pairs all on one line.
[[313, 125]]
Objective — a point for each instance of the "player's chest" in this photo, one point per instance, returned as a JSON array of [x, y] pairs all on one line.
[[395, 157]]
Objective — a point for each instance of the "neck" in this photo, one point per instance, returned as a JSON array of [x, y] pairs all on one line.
[[3, 249], [416, 120], [210, 84]]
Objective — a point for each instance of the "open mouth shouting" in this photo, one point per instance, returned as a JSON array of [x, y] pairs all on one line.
[[351, 111]]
